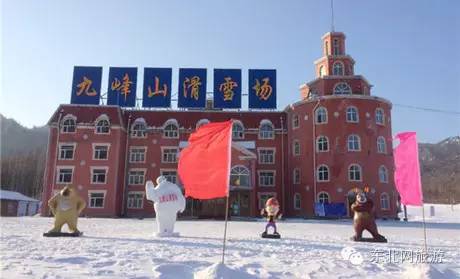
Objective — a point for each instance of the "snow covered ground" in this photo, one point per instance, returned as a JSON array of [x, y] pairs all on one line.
[[126, 248]]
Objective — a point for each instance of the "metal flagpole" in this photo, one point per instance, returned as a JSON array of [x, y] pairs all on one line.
[[225, 229], [424, 227]]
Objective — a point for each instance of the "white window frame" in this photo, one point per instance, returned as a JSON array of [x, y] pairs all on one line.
[[295, 122], [387, 200], [381, 142], [296, 149], [266, 134], [318, 144], [318, 177], [335, 46], [336, 66], [353, 136], [320, 197], [142, 182], [104, 192], [237, 135], [317, 112], [296, 176], [166, 148], [352, 174], [259, 156], [135, 133], [259, 178], [380, 120], [342, 86], [297, 197], [58, 170], [64, 119], [93, 168], [101, 145], [383, 174], [103, 117], [266, 195], [74, 148], [162, 172], [171, 129], [349, 113], [201, 122], [244, 171], [130, 205], [131, 148]]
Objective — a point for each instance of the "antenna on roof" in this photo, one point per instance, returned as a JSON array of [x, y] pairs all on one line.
[[332, 15]]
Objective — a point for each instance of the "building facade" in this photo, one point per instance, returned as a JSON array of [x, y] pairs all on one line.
[[318, 150]]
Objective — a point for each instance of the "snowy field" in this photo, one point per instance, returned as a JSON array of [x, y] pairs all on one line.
[[126, 248]]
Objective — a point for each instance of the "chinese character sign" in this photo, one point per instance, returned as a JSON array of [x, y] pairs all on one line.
[[262, 89], [86, 85], [192, 88], [227, 88], [157, 87], [122, 87]]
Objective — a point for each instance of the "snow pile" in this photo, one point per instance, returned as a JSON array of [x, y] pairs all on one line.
[[423, 271], [221, 271]]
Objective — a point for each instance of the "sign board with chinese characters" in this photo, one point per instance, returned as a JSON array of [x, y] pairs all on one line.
[[157, 87], [86, 85], [192, 88], [227, 88], [122, 87], [262, 89]]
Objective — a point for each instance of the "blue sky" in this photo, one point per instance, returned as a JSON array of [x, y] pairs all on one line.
[[409, 50]]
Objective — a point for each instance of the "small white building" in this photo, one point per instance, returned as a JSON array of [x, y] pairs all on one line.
[[17, 204]]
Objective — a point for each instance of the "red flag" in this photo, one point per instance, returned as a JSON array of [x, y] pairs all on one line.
[[204, 165]]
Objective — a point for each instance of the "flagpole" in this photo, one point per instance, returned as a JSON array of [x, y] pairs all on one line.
[[225, 229], [424, 227]]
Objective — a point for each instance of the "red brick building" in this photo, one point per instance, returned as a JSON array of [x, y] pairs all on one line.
[[336, 138]]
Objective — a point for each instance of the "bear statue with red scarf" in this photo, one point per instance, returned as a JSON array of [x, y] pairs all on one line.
[[364, 219]]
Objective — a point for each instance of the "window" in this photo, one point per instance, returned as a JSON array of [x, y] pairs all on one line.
[[266, 156], [354, 172], [322, 144], [66, 151], [169, 155], [295, 121], [170, 175], [321, 115], [239, 176], [337, 69], [263, 197], [323, 173], [201, 122], [326, 47], [101, 152], [381, 145], [171, 131], [384, 201], [296, 176], [139, 129], [266, 178], [136, 177], [96, 199], [323, 197], [322, 71], [379, 116], [335, 47], [98, 176], [297, 201], [383, 174], [266, 130], [137, 154], [237, 130], [69, 124], [64, 175], [342, 88], [135, 200], [296, 148], [352, 115], [103, 126], [354, 143]]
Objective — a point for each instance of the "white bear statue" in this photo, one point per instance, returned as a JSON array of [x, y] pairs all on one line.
[[168, 200]]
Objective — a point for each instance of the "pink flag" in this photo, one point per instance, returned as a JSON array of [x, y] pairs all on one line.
[[407, 173]]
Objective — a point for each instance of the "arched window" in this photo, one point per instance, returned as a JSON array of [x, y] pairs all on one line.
[[138, 130], [296, 147], [354, 172], [352, 115], [322, 71], [335, 47], [322, 144], [321, 115], [266, 130], [237, 130], [385, 201], [201, 122], [323, 173], [323, 197], [383, 174], [354, 143], [326, 47], [380, 116], [297, 201], [337, 68], [102, 125], [295, 121], [381, 145], [342, 88], [296, 176], [69, 124], [239, 176]]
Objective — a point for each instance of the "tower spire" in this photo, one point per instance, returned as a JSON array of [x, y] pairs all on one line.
[[332, 15]]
